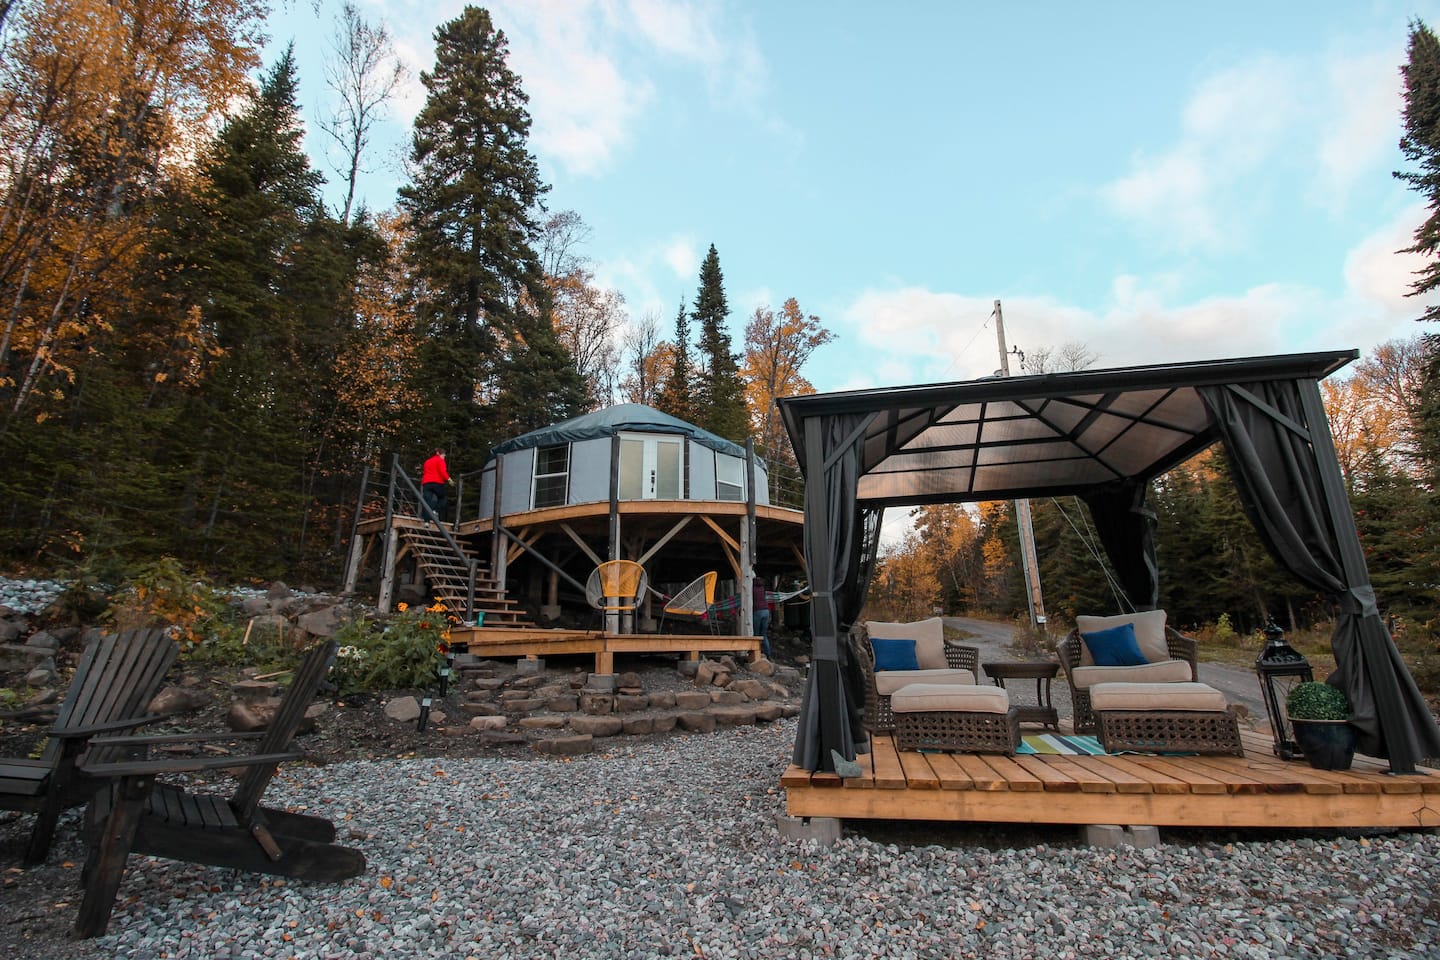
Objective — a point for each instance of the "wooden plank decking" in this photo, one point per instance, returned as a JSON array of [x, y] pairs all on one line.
[[1256, 790], [541, 642]]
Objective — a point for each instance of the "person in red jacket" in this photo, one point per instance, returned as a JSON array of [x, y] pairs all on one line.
[[433, 478]]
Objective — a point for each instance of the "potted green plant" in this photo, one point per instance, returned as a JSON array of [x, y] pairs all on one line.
[[1320, 715]]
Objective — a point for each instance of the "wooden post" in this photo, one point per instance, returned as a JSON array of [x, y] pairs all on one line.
[[612, 619], [357, 542], [387, 569], [499, 548], [747, 546]]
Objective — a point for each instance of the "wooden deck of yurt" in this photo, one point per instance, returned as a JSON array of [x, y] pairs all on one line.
[[542, 642], [1257, 790]]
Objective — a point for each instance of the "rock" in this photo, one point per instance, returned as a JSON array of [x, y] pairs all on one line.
[[631, 703], [753, 689], [279, 591], [41, 675], [566, 746], [662, 700], [522, 706], [706, 673], [529, 682], [454, 731], [476, 709], [663, 722], [247, 716], [595, 726], [629, 680], [692, 699], [42, 638], [488, 683], [733, 716], [254, 689], [179, 699], [269, 626], [254, 607], [403, 709], [597, 703], [768, 712], [541, 723], [10, 631], [43, 696], [763, 667], [637, 725], [567, 703], [728, 697], [325, 622], [488, 723], [696, 722], [18, 658]]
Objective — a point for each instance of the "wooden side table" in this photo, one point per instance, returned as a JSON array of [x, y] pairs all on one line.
[[1042, 672]]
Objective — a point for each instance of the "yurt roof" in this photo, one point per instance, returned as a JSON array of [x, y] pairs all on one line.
[[621, 418]]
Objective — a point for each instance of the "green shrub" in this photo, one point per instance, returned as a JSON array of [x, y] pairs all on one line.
[[403, 653], [1317, 701]]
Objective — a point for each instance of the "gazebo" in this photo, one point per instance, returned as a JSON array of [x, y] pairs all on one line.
[[1101, 435]]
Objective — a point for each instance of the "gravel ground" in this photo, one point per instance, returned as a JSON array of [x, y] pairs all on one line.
[[670, 848]]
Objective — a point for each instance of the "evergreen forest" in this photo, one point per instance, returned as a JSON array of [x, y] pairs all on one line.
[[200, 355]]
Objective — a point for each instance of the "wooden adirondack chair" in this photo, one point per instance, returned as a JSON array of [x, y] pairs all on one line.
[[115, 681], [139, 814]]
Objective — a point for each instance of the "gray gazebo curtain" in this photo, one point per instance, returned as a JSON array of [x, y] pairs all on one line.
[[1283, 459], [841, 540], [1126, 527]]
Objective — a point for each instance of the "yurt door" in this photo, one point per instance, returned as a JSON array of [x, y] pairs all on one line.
[[650, 467]]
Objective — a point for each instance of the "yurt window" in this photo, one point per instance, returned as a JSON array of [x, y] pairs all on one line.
[[552, 475], [729, 478]]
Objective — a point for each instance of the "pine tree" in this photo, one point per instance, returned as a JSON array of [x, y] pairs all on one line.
[[721, 397], [489, 361], [676, 397], [1421, 145]]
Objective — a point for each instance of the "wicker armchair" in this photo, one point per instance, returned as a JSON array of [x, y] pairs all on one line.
[[1180, 646], [878, 716]]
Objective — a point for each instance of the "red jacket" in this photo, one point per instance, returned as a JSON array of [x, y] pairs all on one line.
[[435, 470]]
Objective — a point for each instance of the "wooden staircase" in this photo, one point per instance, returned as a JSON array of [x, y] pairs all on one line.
[[449, 579]]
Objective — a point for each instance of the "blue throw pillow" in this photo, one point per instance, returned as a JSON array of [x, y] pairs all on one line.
[[1115, 647], [895, 654]]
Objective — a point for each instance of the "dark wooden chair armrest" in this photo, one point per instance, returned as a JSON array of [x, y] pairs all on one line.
[[151, 768], [171, 739], [90, 729]]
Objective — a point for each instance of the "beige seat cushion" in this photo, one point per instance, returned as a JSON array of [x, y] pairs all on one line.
[[929, 637], [1149, 633], [1166, 671], [950, 698], [1197, 697], [888, 681]]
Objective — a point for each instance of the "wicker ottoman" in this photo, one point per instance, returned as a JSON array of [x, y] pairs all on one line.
[[1165, 718], [950, 717]]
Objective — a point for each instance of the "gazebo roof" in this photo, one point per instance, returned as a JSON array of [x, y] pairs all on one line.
[[1045, 435]]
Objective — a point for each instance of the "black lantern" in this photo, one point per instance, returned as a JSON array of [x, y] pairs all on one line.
[[1280, 668]]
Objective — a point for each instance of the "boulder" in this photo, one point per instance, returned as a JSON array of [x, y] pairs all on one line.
[[596, 726], [696, 722], [403, 709], [19, 658], [181, 699], [279, 591], [540, 723], [733, 716], [747, 687], [44, 639], [662, 700], [566, 746], [10, 631], [631, 703], [325, 622], [763, 667], [488, 723], [41, 675], [254, 606], [692, 700]]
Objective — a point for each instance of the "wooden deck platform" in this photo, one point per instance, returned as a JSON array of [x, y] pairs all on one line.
[[1257, 790], [541, 642]]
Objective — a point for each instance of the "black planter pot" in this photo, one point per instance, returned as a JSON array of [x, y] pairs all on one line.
[[1327, 744]]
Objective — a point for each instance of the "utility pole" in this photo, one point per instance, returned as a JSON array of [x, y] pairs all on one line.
[[1029, 563]]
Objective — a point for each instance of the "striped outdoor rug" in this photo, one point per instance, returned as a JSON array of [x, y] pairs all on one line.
[[1053, 744]]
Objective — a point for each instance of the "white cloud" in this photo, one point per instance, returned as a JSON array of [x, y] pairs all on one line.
[[1229, 126], [1329, 121]]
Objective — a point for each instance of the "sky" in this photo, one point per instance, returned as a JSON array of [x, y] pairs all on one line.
[[1151, 182]]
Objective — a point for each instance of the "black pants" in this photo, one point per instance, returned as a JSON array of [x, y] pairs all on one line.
[[435, 499]]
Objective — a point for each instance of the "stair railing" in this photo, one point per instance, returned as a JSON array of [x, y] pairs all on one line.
[[397, 472]]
